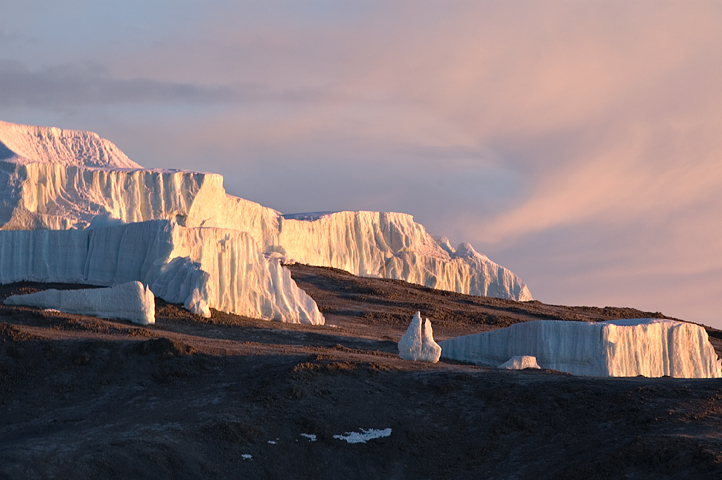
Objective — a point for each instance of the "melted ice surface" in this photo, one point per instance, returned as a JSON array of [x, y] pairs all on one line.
[[621, 348]]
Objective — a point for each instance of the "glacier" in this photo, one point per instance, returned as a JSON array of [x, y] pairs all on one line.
[[49, 188], [54, 180], [620, 348], [128, 301]]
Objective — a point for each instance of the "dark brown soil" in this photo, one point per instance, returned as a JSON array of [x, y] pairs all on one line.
[[188, 397]]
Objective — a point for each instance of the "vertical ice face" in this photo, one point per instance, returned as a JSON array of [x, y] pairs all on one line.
[[128, 301], [202, 268], [418, 344], [620, 348]]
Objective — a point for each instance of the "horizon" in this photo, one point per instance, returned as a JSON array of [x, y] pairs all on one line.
[[575, 144]]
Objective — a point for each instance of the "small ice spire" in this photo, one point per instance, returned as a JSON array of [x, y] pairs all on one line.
[[417, 345]]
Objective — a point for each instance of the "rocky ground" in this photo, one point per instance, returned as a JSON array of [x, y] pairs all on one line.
[[231, 397]]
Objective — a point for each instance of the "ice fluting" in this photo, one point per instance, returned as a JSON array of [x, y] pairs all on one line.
[[201, 268], [620, 348], [128, 301]]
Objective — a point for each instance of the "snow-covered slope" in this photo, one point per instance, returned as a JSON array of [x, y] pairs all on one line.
[[26, 144], [620, 348], [200, 267]]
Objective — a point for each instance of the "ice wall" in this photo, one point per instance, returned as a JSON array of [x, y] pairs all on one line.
[[128, 301], [55, 196], [200, 267], [620, 348], [58, 186]]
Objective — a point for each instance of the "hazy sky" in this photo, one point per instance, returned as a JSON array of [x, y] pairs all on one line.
[[578, 143]]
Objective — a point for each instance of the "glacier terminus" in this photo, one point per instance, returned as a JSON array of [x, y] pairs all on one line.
[[74, 208]]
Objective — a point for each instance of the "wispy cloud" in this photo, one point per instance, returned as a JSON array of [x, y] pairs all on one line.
[[71, 86]]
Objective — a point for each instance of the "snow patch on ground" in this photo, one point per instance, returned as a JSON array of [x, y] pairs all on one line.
[[364, 436]]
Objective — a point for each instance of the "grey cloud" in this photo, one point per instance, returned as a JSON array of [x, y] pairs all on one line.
[[68, 86], [73, 86]]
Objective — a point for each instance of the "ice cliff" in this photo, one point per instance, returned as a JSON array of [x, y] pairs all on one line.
[[199, 267], [61, 179], [620, 348]]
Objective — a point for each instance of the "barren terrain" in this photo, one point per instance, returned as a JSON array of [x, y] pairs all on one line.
[[231, 397]]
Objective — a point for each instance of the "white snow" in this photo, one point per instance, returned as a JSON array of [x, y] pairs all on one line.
[[310, 436], [520, 362], [364, 436], [619, 348], [24, 144], [128, 301], [201, 268], [418, 345], [52, 179], [246, 456]]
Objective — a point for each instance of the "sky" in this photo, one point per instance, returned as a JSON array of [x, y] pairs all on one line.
[[577, 143]]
